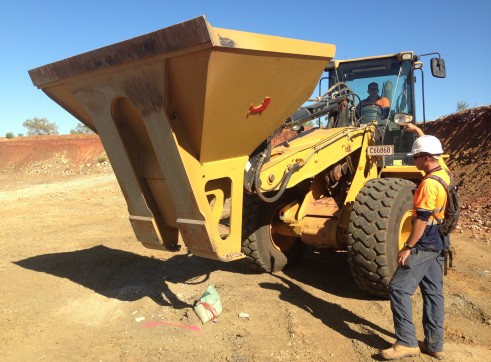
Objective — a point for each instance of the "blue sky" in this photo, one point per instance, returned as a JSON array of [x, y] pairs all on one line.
[[36, 33]]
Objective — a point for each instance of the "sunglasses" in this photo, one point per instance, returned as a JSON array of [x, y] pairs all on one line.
[[373, 89]]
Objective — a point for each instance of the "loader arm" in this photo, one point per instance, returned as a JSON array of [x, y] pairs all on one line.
[[317, 150]]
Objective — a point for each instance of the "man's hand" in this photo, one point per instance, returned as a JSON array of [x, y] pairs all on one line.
[[416, 233], [402, 256], [411, 127]]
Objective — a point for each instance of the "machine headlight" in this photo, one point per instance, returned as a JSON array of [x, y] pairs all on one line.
[[406, 56], [403, 118]]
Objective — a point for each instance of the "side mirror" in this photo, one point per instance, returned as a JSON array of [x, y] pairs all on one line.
[[438, 67]]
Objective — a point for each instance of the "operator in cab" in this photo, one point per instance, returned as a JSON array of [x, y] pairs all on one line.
[[374, 99]]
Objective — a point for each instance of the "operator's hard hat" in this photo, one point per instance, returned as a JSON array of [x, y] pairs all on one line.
[[427, 144]]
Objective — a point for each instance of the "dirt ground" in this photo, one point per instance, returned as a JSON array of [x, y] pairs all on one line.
[[75, 284]]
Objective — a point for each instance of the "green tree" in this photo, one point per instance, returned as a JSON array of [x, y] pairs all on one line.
[[462, 106], [81, 129], [9, 135], [40, 126]]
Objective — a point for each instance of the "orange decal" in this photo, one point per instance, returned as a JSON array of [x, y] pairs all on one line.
[[261, 108]]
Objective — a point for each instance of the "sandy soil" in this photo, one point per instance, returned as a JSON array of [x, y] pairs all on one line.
[[75, 285]]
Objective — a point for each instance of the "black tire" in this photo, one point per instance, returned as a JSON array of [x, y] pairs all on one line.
[[266, 251], [380, 223]]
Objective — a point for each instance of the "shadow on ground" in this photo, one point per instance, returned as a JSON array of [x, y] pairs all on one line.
[[127, 276], [329, 271]]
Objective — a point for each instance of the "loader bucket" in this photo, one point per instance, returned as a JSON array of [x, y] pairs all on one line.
[[179, 111]]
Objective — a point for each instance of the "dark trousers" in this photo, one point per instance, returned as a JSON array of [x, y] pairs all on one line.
[[423, 269]]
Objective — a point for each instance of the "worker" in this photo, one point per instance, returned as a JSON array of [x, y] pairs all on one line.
[[374, 98], [421, 259]]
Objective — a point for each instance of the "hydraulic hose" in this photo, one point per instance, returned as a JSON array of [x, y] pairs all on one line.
[[284, 182], [286, 177]]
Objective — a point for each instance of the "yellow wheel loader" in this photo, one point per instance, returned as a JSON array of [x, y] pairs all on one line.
[[187, 115]]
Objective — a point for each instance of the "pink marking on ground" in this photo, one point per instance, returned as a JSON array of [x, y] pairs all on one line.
[[191, 327]]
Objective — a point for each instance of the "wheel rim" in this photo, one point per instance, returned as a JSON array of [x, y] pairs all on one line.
[[405, 228], [281, 242]]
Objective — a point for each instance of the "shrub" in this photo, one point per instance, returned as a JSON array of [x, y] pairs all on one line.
[[81, 129], [40, 126], [462, 106], [9, 135]]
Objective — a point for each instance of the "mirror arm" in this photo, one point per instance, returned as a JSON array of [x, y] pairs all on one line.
[[423, 95], [436, 53]]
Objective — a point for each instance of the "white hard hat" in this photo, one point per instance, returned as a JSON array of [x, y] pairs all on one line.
[[427, 144]]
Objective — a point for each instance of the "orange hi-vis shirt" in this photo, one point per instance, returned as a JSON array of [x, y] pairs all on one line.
[[382, 102], [431, 197]]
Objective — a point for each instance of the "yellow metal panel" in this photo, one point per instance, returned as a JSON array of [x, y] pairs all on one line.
[[237, 80], [406, 172], [233, 169], [337, 62], [366, 169], [268, 43]]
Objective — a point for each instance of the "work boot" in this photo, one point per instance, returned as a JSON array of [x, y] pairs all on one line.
[[397, 351], [425, 350]]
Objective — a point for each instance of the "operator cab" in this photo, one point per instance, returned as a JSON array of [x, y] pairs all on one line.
[[371, 90], [382, 87]]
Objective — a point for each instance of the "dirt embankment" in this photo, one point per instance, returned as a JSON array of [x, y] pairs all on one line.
[[466, 137], [53, 155]]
